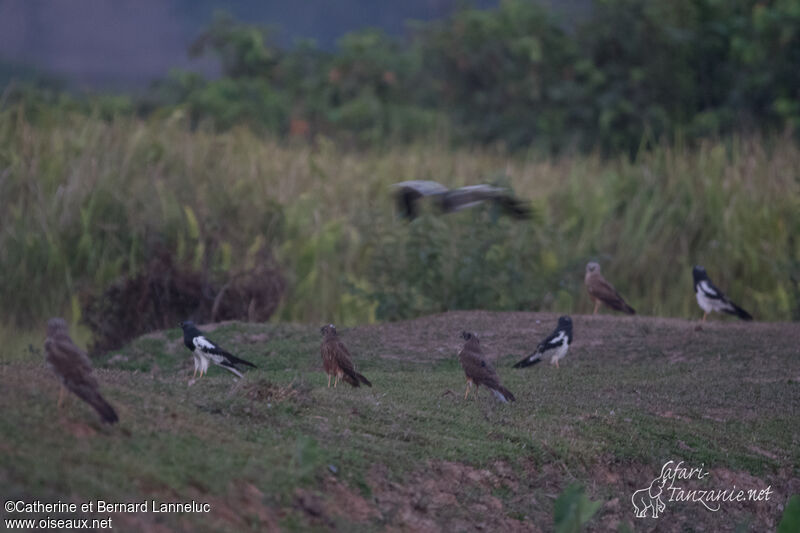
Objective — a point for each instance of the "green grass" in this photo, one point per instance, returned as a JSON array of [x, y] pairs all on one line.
[[87, 201], [631, 394]]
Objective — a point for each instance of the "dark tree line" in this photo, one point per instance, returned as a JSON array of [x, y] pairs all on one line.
[[633, 71]]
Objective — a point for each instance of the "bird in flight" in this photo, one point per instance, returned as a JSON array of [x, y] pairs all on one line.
[[336, 359], [74, 369], [479, 371], [710, 298], [602, 291], [204, 351], [408, 193], [554, 345]]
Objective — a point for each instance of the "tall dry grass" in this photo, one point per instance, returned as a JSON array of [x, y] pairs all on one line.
[[84, 201]]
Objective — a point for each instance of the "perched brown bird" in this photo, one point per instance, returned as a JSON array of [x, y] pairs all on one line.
[[602, 291], [336, 359], [479, 371], [72, 366]]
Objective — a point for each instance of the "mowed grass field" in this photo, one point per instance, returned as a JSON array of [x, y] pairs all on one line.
[[280, 451]]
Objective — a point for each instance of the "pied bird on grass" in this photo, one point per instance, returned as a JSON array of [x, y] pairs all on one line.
[[554, 345], [479, 371], [204, 351], [710, 298], [408, 194]]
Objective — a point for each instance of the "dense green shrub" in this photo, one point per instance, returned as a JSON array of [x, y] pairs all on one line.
[[632, 72], [87, 200]]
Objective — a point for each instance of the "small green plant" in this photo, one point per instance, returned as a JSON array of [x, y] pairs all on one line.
[[573, 510], [790, 522]]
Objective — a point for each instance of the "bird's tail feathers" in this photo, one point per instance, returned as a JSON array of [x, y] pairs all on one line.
[[354, 378], [628, 309], [237, 361], [514, 207], [503, 394], [351, 378], [363, 380], [532, 359], [738, 311], [103, 408], [228, 366]]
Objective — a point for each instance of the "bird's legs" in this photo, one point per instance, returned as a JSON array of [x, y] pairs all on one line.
[[336, 381], [596, 305], [556, 363], [60, 396], [329, 381], [469, 384], [705, 314]]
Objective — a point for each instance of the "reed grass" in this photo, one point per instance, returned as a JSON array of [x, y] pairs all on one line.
[[85, 201]]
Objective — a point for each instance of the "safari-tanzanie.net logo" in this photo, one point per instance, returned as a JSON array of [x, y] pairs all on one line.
[[680, 483]]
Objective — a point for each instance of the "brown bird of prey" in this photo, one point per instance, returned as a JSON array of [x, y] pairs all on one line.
[[479, 371], [602, 291], [408, 193], [336, 360], [72, 367]]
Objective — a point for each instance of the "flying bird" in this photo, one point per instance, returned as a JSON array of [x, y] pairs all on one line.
[[602, 291], [710, 298], [74, 369], [336, 359], [554, 345], [204, 351], [408, 193], [479, 371]]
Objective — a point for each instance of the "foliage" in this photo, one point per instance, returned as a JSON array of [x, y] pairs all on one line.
[[505, 75], [573, 509], [88, 201], [791, 516], [163, 294], [632, 72], [436, 264]]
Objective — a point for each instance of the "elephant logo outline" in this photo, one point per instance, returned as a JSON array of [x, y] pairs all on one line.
[[649, 498]]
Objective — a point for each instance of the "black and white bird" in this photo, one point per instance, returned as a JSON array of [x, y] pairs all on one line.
[[205, 351], [554, 345], [710, 298], [408, 193]]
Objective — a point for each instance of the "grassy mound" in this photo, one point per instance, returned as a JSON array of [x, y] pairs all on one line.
[[280, 450]]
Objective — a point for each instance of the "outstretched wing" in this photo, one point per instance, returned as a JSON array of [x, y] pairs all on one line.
[[472, 195], [408, 193]]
